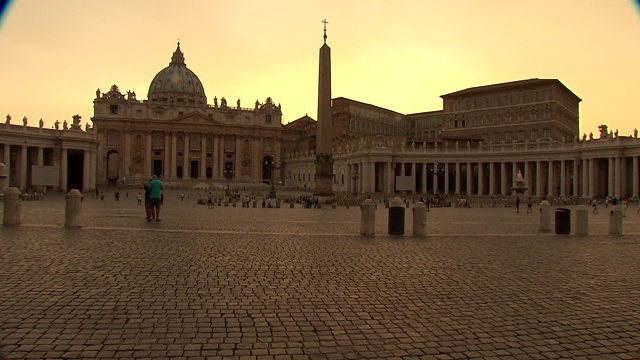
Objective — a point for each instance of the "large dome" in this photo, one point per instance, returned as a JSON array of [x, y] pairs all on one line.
[[177, 84]]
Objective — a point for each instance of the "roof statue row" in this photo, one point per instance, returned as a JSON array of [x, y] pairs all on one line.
[[75, 125]]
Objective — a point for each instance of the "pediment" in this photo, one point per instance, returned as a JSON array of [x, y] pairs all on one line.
[[194, 118]]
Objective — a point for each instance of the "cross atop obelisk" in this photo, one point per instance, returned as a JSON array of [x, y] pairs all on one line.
[[325, 30]]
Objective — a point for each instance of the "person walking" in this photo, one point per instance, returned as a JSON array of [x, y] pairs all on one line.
[[155, 197], [529, 203], [517, 204]]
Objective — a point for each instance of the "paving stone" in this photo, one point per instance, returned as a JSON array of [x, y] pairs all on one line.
[[290, 283]]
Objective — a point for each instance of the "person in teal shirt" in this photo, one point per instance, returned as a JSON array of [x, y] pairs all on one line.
[[155, 196]]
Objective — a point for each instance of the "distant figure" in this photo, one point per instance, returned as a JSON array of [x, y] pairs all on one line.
[[594, 203], [210, 200], [517, 204], [529, 203], [139, 198], [182, 197]]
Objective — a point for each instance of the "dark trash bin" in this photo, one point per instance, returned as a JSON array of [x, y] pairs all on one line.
[[396, 217], [563, 221]]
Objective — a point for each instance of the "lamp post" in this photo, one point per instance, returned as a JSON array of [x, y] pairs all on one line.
[[228, 174], [273, 167], [355, 177]]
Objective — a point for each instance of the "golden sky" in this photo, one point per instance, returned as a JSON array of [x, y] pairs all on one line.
[[400, 55]]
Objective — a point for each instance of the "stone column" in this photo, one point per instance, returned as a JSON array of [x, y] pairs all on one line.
[[611, 172], [469, 178], [238, 163], [618, 177], [413, 176], [125, 156], [173, 166], [446, 178], [217, 173], [550, 182], [563, 177], [166, 167], [40, 156], [504, 184], [576, 180], [372, 176], [94, 171], [584, 183], [185, 157], [148, 159], [492, 178], [86, 171], [528, 175], [203, 157], [424, 178], [63, 170], [24, 165], [458, 178], [391, 177], [539, 178], [435, 178], [636, 177], [7, 166], [592, 177], [480, 178]]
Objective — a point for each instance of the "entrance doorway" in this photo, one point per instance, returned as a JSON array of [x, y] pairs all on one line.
[[194, 169], [75, 170], [157, 167]]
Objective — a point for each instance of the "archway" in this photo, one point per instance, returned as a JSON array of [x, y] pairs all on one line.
[[113, 167]]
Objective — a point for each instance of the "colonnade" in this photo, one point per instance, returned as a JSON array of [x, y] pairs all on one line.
[[585, 177], [19, 160], [209, 156]]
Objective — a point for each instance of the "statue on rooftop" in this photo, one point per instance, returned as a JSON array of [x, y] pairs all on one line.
[[8, 121], [41, 123], [24, 121], [57, 124]]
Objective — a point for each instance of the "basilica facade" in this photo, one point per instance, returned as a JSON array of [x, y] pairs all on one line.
[[177, 134]]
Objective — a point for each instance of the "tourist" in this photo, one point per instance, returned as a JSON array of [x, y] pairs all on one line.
[[139, 198], [147, 206], [182, 197], [210, 200], [155, 197], [594, 203], [529, 203], [517, 204]]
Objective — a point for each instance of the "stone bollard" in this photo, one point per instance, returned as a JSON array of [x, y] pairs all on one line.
[[319, 204], [234, 203], [407, 204], [255, 203], [582, 220], [615, 221], [291, 204], [368, 218], [545, 216], [226, 203], [277, 204], [420, 219], [396, 217], [73, 209], [12, 207]]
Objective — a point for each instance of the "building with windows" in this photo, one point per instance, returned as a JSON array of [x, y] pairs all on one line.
[[476, 145], [178, 135]]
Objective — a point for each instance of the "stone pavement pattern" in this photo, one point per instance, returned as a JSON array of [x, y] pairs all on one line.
[[302, 284]]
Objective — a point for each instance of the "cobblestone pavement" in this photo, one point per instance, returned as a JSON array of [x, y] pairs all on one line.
[[237, 283]]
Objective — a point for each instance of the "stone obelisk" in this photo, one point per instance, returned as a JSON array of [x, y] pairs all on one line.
[[324, 157]]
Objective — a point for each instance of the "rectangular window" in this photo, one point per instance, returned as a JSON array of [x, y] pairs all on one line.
[[114, 109]]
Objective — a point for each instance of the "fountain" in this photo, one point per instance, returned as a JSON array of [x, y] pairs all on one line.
[[519, 184]]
